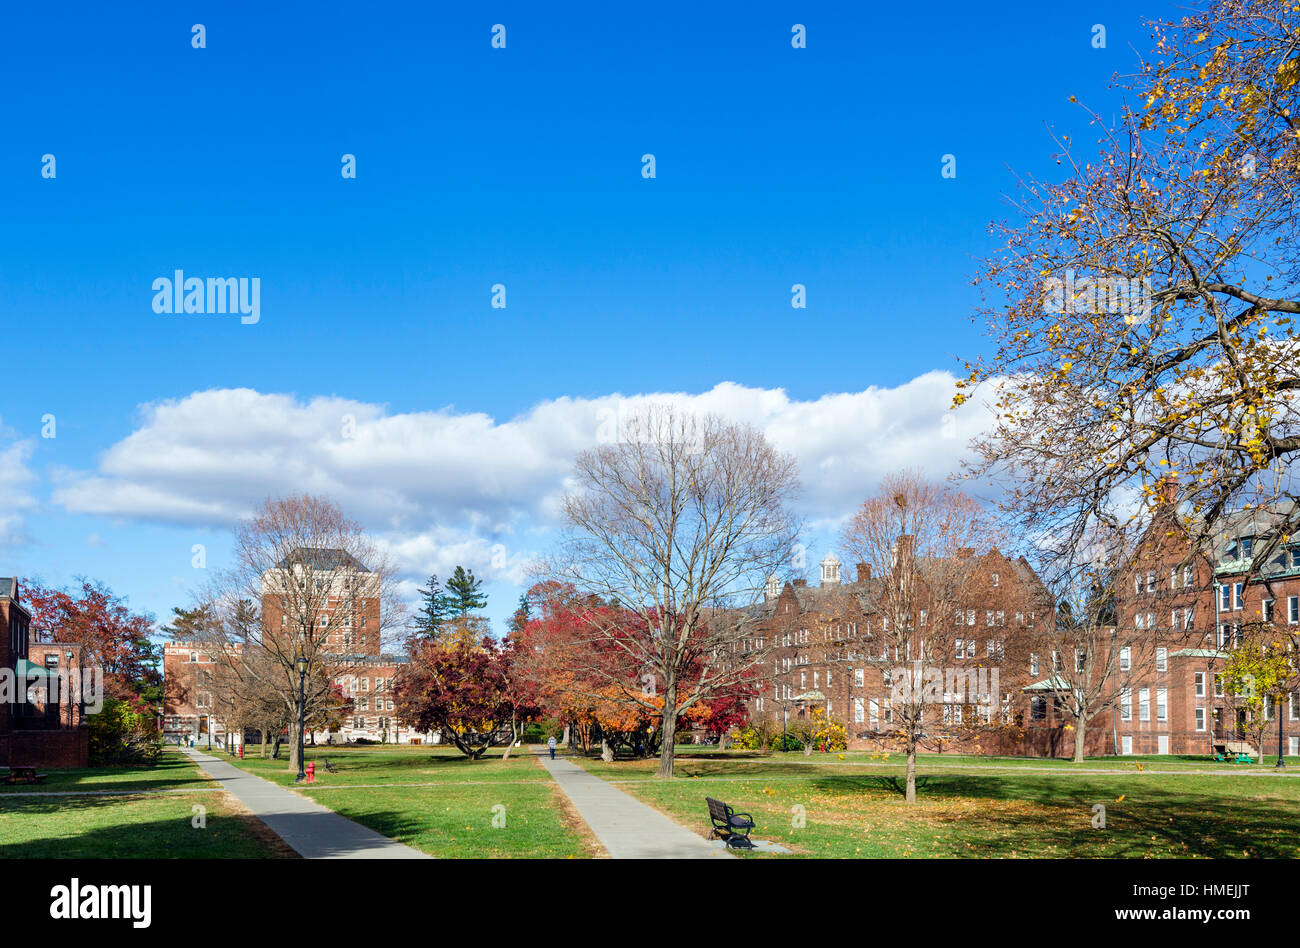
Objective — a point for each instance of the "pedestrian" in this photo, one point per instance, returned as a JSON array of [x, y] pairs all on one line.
[[550, 745]]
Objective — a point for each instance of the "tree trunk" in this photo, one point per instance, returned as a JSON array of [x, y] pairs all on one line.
[[910, 794], [669, 729], [1078, 740], [293, 747]]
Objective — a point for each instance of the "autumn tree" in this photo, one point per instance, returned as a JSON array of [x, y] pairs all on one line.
[[1143, 306], [1260, 675], [462, 690], [915, 536], [112, 636], [676, 522]]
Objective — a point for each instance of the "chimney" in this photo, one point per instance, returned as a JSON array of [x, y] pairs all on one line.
[[864, 572], [1169, 489], [801, 582]]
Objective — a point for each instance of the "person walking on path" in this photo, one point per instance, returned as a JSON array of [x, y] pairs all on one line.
[[550, 745]]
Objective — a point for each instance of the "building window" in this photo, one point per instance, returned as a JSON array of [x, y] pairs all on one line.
[[1125, 658], [858, 677], [1189, 576], [1162, 659], [857, 711], [1200, 684], [1033, 664], [1218, 686], [1161, 704], [995, 579], [1144, 704], [1038, 709], [1200, 719], [1126, 704]]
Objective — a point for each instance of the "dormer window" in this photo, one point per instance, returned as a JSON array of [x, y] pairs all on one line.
[[1244, 546]]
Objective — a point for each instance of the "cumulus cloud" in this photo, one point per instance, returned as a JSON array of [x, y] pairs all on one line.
[[16, 479], [446, 487]]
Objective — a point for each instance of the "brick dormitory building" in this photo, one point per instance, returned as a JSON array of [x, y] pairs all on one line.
[[824, 647], [43, 714], [352, 648]]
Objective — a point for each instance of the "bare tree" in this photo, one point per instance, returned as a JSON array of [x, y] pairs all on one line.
[[915, 536], [682, 519], [327, 596]]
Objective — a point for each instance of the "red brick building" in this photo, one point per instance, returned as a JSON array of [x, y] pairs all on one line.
[[1211, 591], [827, 647], [43, 718], [346, 614]]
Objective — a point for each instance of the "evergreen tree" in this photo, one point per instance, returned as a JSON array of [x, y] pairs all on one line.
[[521, 615], [464, 592], [434, 610]]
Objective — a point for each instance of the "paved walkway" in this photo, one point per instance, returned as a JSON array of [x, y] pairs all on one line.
[[626, 827], [312, 830]]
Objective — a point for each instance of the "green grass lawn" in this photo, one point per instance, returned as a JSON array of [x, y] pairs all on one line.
[[156, 826], [434, 799], [1000, 807]]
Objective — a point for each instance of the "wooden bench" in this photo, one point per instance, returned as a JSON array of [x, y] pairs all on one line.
[[729, 825], [22, 774]]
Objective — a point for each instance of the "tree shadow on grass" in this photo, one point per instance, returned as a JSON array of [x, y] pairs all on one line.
[[65, 828], [1142, 817]]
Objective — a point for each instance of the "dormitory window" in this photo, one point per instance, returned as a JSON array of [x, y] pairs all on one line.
[[1162, 659], [1200, 719], [1125, 658], [1293, 610], [1200, 685], [995, 579]]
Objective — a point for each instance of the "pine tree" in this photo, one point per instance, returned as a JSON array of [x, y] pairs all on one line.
[[519, 620], [434, 611], [464, 593]]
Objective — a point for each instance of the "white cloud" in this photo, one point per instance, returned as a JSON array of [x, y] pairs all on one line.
[[16, 499], [446, 487]]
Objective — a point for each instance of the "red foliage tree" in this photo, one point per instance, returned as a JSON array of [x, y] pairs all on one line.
[[466, 691], [113, 637]]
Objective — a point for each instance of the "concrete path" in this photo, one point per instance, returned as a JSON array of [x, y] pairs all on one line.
[[626, 827], [312, 830]]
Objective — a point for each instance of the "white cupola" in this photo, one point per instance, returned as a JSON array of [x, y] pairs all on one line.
[[830, 570]]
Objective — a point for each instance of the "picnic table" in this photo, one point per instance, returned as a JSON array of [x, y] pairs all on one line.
[[19, 773]]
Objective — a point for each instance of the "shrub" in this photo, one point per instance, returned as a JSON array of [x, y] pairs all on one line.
[[124, 733]]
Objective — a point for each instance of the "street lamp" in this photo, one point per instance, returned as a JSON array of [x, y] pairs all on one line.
[[1277, 709], [302, 711]]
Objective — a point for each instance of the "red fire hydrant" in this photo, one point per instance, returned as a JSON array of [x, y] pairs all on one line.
[[241, 751], [311, 771]]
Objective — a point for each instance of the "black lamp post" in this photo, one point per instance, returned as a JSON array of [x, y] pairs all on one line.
[[1277, 709], [302, 712]]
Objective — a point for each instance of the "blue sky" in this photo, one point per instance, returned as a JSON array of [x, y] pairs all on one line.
[[478, 166]]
